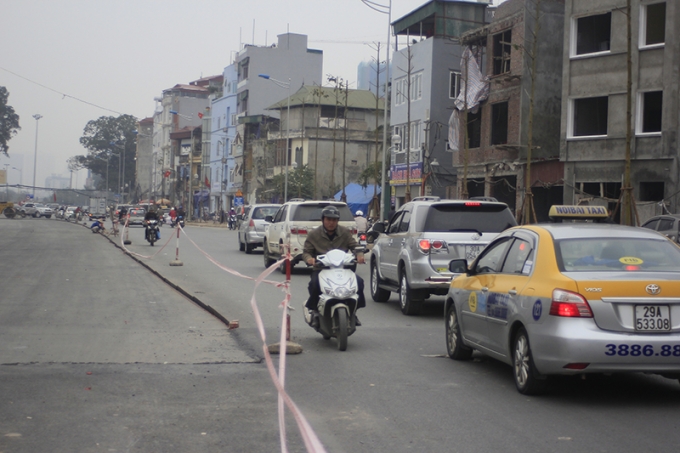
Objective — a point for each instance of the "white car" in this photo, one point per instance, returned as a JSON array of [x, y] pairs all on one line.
[[37, 210], [290, 225]]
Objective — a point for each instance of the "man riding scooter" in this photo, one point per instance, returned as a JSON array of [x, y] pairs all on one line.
[[329, 236], [152, 214]]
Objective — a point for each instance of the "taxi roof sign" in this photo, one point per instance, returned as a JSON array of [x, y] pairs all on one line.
[[574, 212]]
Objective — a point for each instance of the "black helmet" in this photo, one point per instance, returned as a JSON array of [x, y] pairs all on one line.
[[331, 212]]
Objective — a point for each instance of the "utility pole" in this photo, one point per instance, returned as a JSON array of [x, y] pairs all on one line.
[[466, 139], [343, 197], [407, 142], [627, 214], [528, 212]]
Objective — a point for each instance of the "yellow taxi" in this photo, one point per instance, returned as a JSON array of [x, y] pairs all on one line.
[[569, 298]]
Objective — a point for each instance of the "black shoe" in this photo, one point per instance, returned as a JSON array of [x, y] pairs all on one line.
[[356, 321], [315, 319]]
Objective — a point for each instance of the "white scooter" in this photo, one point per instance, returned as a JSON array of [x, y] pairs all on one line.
[[339, 297]]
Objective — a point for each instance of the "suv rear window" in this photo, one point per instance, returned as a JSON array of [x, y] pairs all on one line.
[[261, 213], [482, 218], [311, 212]]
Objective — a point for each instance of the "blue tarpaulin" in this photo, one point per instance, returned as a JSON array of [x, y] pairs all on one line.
[[358, 197]]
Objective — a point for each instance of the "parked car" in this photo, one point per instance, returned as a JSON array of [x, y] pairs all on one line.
[[569, 299], [666, 224], [252, 225], [411, 255], [290, 225]]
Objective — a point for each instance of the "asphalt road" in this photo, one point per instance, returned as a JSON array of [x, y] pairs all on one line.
[[168, 376]]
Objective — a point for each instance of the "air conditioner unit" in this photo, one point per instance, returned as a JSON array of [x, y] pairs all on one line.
[[224, 129]]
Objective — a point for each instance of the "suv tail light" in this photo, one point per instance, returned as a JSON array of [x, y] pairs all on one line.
[[298, 230], [432, 245], [251, 224], [569, 305]]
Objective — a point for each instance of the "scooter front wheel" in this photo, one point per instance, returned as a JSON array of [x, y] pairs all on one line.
[[342, 326]]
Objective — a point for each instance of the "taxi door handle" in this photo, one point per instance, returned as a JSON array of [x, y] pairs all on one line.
[[513, 292], [485, 289]]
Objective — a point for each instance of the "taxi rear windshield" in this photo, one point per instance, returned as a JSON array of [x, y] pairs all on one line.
[[310, 212], [458, 217], [617, 254]]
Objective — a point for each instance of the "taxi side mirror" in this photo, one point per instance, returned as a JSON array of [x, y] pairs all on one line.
[[458, 266]]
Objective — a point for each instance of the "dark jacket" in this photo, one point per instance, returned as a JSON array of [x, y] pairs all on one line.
[[318, 242]]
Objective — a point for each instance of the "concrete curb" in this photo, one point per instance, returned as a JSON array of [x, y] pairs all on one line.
[[178, 288]]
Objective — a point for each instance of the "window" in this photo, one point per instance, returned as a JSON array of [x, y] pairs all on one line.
[[405, 221], [592, 34], [519, 259], [590, 116], [499, 123], [416, 86], [492, 258], [298, 157], [454, 84], [652, 191], [233, 119], [400, 95], [414, 135], [649, 112], [474, 128], [653, 24], [501, 52], [243, 69]]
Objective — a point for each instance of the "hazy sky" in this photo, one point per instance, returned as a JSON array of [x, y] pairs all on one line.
[[120, 54]]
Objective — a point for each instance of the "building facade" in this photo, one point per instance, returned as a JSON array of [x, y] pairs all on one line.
[[425, 81], [595, 90], [518, 107], [287, 65]]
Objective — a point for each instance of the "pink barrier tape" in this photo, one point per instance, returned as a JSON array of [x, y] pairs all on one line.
[[309, 437]]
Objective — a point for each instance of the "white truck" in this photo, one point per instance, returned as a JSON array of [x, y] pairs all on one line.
[[97, 207]]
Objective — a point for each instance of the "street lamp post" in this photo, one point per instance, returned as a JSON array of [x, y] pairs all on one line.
[[287, 86], [35, 154]]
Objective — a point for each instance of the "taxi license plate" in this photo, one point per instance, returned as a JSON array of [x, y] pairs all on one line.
[[652, 318], [471, 252]]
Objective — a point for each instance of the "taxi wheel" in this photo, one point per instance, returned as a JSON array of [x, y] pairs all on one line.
[[454, 341], [377, 293], [527, 378], [409, 306]]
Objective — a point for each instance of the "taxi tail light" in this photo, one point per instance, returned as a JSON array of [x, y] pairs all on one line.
[[569, 305], [298, 230]]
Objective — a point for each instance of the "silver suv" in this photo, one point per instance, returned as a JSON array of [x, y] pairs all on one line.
[[252, 225], [411, 255], [37, 210], [290, 225]]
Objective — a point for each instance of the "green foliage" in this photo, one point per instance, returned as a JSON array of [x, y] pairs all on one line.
[[371, 174], [108, 137], [300, 183], [9, 121]]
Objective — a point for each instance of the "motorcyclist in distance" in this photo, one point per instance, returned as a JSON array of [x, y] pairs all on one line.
[[330, 236], [152, 214], [362, 223]]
